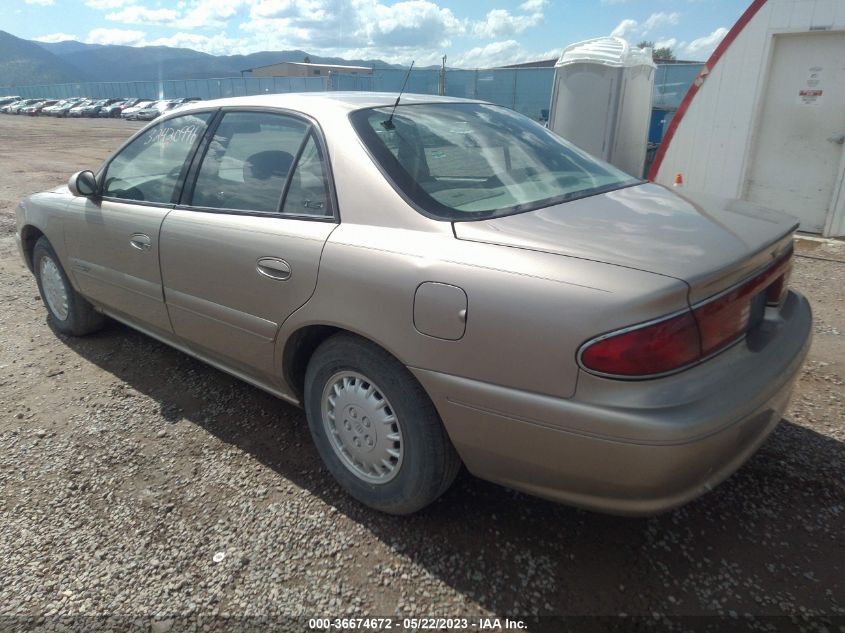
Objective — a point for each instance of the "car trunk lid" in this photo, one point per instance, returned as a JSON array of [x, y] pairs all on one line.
[[708, 242]]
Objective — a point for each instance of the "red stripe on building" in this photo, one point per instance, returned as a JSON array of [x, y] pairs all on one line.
[[744, 19]]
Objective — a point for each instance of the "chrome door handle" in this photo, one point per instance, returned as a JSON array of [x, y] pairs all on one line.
[[141, 242], [274, 268], [839, 139]]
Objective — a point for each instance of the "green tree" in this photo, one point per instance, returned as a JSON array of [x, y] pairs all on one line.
[[663, 52]]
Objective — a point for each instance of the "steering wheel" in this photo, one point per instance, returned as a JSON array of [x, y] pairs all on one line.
[[121, 189]]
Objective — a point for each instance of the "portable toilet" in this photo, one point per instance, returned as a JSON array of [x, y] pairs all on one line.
[[601, 100]]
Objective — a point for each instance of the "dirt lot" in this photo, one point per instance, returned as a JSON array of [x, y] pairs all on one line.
[[125, 466]]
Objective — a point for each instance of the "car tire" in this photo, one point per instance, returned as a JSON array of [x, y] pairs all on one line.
[[380, 412], [67, 310]]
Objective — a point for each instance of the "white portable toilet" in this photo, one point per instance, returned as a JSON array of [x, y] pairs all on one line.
[[601, 100]]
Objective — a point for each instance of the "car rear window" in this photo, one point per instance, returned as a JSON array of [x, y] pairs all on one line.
[[466, 161]]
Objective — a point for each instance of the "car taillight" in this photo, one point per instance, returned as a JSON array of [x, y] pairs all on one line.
[[776, 292], [666, 345], [651, 349]]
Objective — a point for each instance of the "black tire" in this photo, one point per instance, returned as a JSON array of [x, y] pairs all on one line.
[[429, 461], [81, 318]]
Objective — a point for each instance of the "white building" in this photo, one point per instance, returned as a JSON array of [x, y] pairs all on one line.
[[765, 119]]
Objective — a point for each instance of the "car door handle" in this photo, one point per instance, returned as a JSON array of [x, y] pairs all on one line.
[[274, 268], [839, 139], [141, 242]]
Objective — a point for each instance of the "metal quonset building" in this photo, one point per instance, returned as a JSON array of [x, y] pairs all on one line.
[[764, 121]]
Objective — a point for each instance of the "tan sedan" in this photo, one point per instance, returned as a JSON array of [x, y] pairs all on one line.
[[439, 283]]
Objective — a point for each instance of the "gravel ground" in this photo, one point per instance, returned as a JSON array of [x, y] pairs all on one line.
[[138, 482]]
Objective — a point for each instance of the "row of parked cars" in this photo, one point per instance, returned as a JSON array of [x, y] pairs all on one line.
[[131, 109]]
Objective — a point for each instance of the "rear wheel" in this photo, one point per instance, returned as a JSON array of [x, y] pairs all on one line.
[[375, 428], [68, 311]]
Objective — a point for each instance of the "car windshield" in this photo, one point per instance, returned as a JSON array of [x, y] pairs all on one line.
[[467, 161]]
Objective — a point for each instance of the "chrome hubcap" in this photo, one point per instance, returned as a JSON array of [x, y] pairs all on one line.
[[362, 427], [53, 285]]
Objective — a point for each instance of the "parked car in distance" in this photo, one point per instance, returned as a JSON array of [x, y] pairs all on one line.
[[131, 112], [51, 109], [36, 108], [93, 109], [440, 282], [157, 109], [114, 109], [61, 109], [17, 106], [4, 101], [76, 110]]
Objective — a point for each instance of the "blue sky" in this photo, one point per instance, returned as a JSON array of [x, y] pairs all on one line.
[[470, 33]]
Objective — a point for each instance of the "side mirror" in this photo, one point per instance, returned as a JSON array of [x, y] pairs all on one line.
[[83, 183]]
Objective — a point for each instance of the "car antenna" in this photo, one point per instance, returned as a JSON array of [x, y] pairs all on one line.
[[388, 123]]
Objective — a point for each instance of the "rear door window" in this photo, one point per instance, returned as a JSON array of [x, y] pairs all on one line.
[[249, 161], [308, 191]]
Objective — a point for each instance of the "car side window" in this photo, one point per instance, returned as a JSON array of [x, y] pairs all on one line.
[[148, 169], [248, 162], [308, 193]]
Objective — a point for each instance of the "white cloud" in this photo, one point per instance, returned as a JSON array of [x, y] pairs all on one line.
[[394, 31], [500, 23], [356, 24], [624, 28], [208, 13], [669, 43], [703, 47], [102, 5], [493, 54], [116, 36], [43, 3], [141, 15], [55, 37], [533, 6], [631, 29], [398, 24], [656, 20], [218, 44], [499, 54]]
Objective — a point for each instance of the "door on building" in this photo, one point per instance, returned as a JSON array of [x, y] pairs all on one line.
[[797, 160]]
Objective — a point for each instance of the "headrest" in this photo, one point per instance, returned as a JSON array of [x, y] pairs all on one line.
[[267, 165]]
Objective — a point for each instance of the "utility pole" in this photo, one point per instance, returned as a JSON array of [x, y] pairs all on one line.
[[441, 84]]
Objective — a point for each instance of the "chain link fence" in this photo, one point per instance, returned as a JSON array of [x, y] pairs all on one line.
[[526, 90]]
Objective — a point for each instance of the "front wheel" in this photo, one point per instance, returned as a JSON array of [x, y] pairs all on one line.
[[68, 311], [375, 428]]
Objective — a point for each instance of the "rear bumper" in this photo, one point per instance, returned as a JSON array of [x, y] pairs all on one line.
[[623, 447]]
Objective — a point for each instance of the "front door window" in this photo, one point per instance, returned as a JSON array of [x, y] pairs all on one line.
[[150, 168]]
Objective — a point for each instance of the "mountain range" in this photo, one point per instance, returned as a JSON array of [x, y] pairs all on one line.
[[25, 62]]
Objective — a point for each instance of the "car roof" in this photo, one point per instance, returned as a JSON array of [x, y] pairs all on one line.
[[316, 103]]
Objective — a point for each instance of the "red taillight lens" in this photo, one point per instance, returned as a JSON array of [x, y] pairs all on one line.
[[673, 343], [723, 320], [777, 291], [652, 349]]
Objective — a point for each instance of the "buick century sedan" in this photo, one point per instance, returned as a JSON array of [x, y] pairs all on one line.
[[439, 282]]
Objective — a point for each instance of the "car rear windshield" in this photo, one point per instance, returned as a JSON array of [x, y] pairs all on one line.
[[467, 161]]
